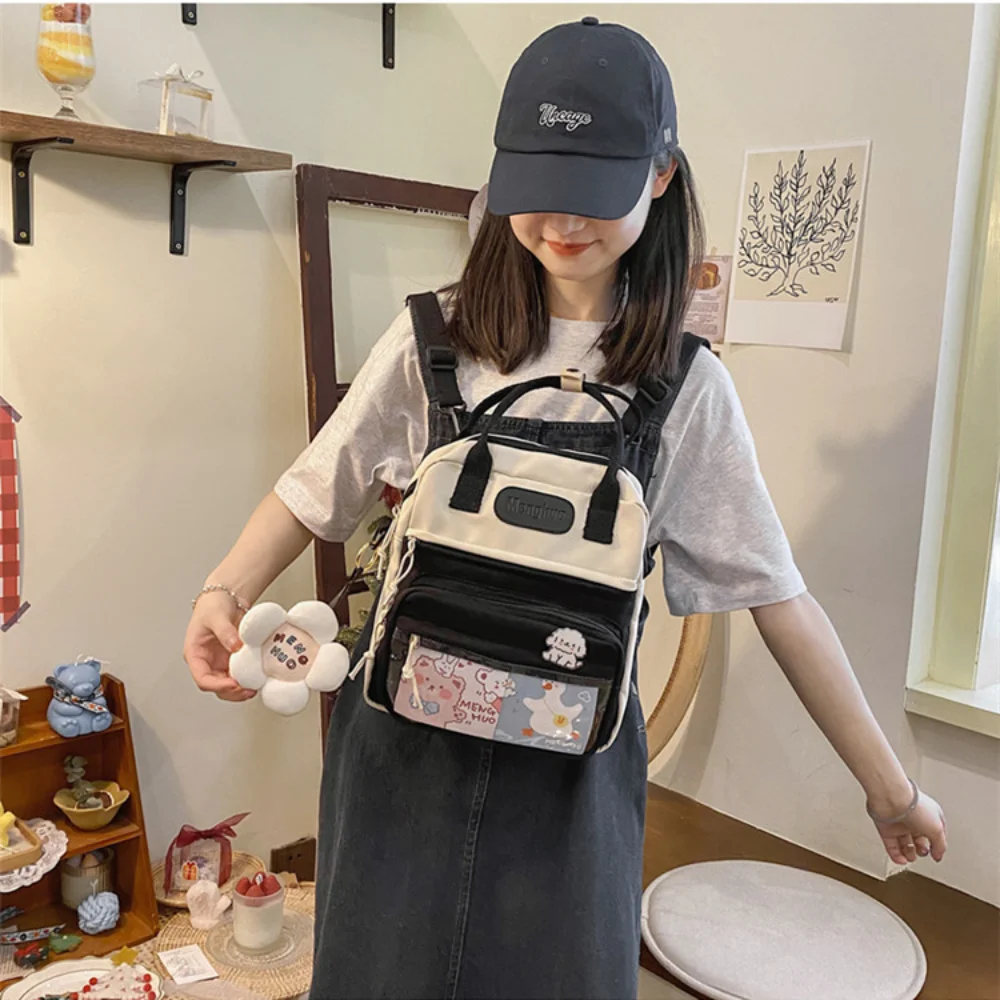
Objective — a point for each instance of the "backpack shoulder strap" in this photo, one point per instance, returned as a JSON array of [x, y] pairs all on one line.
[[655, 397], [438, 361]]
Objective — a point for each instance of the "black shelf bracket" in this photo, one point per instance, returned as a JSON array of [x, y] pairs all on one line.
[[389, 35], [189, 13], [178, 199], [20, 163]]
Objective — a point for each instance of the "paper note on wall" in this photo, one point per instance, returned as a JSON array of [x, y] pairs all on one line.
[[706, 316], [801, 211]]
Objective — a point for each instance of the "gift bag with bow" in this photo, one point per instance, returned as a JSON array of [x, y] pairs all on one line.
[[200, 854]]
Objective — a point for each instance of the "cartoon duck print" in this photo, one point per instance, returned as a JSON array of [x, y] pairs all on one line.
[[549, 716]]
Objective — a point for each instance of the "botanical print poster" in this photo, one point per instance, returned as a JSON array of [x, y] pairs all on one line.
[[800, 219]]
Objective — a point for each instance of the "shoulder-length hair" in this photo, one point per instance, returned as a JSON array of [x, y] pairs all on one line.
[[499, 311]]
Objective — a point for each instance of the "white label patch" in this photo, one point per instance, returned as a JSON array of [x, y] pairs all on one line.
[[567, 648], [550, 115]]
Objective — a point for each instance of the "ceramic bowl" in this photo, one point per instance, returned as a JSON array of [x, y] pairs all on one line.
[[92, 819]]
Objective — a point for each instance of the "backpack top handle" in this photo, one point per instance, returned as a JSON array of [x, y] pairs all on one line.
[[474, 477]]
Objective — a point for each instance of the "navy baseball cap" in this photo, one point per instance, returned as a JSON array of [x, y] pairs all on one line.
[[586, 108]]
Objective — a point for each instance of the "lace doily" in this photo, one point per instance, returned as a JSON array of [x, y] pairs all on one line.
[[53, 848]]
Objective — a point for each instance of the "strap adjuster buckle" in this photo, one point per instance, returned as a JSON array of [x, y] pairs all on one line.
[[442, 359], [654, 390]]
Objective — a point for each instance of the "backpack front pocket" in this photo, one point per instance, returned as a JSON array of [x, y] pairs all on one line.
[[439, 684]]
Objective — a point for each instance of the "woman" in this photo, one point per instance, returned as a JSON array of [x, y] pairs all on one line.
[[456, 867]]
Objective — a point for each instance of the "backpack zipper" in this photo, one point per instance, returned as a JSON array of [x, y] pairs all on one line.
[[497, 597]]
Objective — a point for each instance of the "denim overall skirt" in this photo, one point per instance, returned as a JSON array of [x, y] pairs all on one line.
[[455, 867]]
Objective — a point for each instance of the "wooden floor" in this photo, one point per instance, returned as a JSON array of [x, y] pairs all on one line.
[[960, 934]]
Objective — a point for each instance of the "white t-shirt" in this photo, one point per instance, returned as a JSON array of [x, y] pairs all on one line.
[[722, 546]]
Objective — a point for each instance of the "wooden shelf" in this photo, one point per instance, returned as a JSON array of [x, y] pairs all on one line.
[[132, 929], [33, 773], [38, 733], [129, 144], [80, 841], [29, 133]]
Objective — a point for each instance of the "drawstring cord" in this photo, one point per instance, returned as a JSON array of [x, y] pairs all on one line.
[[385, 601], [409, 674]]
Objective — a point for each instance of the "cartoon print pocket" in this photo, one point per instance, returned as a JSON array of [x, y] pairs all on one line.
[[440, 685], [457, 654]]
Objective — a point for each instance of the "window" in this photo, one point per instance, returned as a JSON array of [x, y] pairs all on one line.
[[954, 670]]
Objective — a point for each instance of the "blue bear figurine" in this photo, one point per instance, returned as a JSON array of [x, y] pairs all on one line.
[[78, 704]]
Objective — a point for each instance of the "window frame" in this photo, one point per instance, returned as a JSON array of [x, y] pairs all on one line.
[[953, 673]]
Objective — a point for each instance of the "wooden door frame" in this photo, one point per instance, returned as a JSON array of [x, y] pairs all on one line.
[[316, 187]]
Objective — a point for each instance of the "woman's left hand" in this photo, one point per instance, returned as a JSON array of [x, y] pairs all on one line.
[[923, 832]]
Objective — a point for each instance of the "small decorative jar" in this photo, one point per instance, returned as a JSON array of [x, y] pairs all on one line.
[[182, 105], [10, 713], [257, 920], [87, 874]]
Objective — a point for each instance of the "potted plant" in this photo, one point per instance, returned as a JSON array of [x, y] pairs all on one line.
[[88, 805]]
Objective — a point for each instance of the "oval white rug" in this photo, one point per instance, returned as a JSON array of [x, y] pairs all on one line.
[[745, 930]]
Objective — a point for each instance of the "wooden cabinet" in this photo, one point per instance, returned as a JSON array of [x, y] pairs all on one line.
[[31, 772]]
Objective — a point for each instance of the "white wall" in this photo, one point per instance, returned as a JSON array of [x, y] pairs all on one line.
[[162, 396], [842, 437]]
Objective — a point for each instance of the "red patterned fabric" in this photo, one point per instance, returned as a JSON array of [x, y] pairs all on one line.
[[11, 607]]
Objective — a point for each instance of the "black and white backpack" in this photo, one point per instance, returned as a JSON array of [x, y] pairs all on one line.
[[513, 586]]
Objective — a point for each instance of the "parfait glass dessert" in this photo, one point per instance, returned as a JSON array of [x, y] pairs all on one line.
[[65, 54]]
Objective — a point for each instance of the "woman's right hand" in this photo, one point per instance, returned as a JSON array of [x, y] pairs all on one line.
[[212, 636]]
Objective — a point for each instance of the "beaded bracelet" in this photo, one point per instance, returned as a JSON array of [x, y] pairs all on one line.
[[240, 603], [897, 819]]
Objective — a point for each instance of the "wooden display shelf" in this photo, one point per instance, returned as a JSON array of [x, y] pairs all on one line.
[[29, 133], [130, 144], [33, 773], [80, 841], [38, 733], [132, 928]]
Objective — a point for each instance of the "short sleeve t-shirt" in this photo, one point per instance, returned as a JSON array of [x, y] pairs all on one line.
[[722, 546]]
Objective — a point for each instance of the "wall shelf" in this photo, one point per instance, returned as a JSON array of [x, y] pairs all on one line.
[[29, 133], [36, 734], [33, 773], [120, 829]]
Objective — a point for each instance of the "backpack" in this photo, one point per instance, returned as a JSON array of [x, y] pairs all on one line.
[[512, 575]]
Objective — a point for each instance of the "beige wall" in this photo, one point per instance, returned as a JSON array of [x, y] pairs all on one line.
[[843, 438], [162, 396]]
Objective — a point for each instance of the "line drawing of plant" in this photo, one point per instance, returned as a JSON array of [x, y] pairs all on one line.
[[804, 235]]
